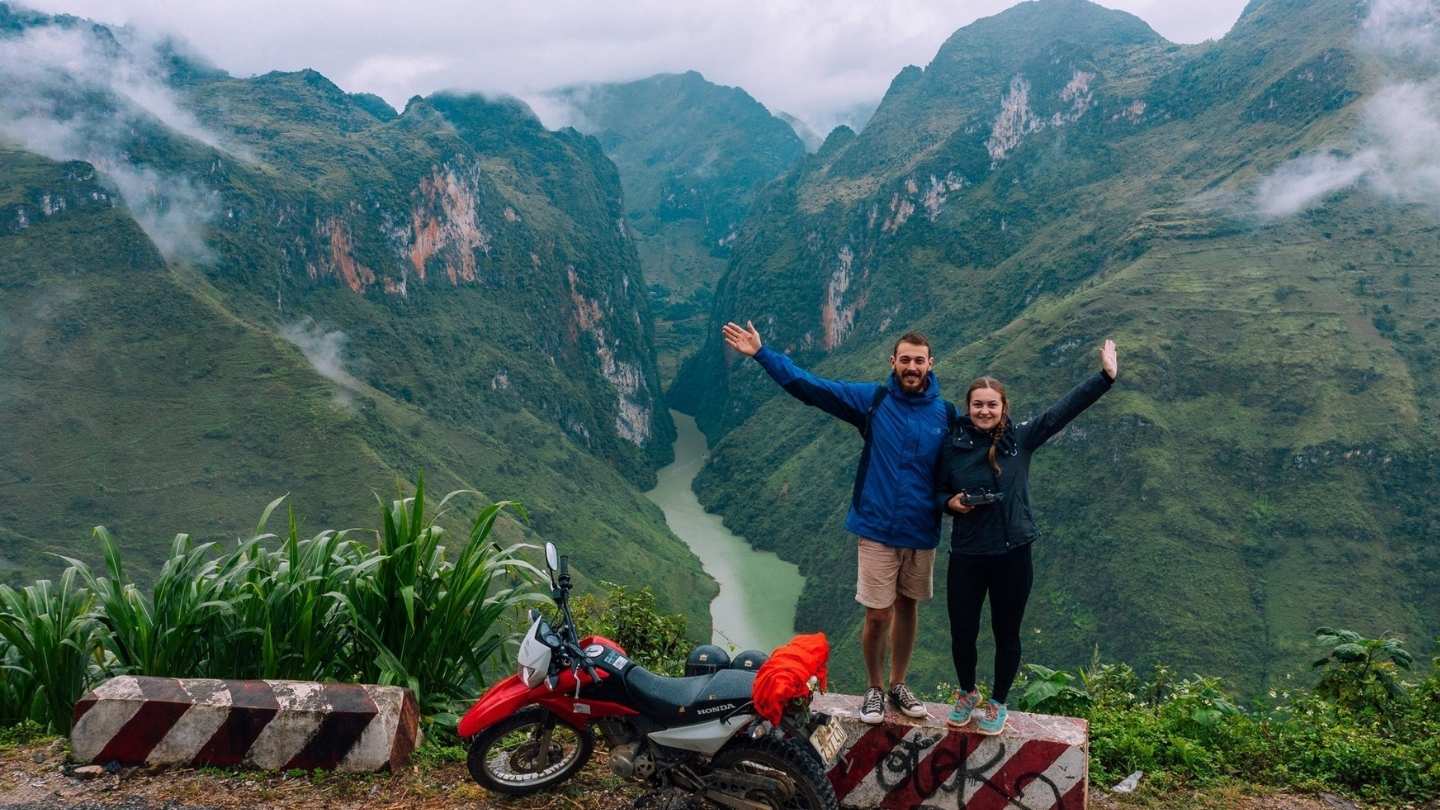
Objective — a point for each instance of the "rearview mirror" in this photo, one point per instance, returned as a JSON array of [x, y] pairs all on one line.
[[552, 557]]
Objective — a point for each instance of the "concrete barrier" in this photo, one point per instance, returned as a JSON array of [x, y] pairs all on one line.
[[1039, 762], [272, 725]]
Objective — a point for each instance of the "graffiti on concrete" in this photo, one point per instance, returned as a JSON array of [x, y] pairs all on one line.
[[935, 770]]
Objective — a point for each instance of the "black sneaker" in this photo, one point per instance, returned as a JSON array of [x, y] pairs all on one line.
[[904, 700], [872, 709]]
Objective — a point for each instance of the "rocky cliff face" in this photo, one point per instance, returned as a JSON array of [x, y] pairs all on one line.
[[1059, 174], [692, 156]]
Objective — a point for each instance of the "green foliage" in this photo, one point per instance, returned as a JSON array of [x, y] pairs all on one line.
[[51, 633], [171, 629], [325, 607], [1362, 674], [24, 732], [1049, 691], [429, 624], [630, 618], [283, 623], [1192, 732]]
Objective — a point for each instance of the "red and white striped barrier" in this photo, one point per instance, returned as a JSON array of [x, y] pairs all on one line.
[[272, 725], [1039, 762]]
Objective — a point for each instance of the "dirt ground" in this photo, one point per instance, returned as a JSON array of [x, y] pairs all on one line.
[[37, 777]]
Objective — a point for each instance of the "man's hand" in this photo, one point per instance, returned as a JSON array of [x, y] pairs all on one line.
[[957, 503], [742, 339], [1108, 361]]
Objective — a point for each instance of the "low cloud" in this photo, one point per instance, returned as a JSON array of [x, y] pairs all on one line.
[[558, 109], [82, 94], [1398, 154], [1305, 182], [325, 351], [173, 211], [823, 62]]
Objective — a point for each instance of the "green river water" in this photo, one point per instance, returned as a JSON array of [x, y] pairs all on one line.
[[758, 590]]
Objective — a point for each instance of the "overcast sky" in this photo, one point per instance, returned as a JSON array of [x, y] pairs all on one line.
[[813, 58]]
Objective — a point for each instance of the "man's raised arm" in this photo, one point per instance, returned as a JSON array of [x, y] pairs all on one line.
[[845, 400]]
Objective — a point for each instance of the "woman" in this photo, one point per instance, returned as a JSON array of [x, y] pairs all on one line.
[[984, 482]]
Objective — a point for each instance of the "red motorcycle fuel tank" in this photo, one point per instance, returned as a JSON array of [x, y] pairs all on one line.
[[511, 694]]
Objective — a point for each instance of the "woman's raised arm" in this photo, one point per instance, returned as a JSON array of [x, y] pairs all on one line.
[[1039, 430]]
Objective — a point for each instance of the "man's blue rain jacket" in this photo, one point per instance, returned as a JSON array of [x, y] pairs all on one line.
[[896, 504]]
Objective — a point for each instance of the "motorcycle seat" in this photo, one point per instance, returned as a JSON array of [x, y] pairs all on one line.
[[676, 698]]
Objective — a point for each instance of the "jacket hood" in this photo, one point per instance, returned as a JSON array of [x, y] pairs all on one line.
[[931, 392]]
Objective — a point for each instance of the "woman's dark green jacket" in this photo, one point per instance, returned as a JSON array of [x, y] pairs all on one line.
[[964, 467]]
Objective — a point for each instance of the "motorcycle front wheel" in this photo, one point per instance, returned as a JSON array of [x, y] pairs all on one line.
[[527, 752], [784, 760]]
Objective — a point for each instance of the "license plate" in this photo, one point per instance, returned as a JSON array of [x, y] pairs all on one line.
[[828, 739]]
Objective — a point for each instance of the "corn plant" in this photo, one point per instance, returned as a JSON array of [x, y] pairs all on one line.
[[51, 634], [285, 621], [17, 687], [428, 624], [170, 631]]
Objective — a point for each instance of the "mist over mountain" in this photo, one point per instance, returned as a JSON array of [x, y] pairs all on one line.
[[1250, 219], [219, 290]]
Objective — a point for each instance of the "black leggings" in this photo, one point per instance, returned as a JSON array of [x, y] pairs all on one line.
[[1007, 577]]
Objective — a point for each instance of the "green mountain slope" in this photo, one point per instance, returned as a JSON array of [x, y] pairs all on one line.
[[1059, 174], [320, 295], [691, 156]]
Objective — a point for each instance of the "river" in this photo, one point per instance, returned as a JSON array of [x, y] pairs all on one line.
[[758, 590]]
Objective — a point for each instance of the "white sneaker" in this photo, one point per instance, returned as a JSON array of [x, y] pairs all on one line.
[[872, 709]]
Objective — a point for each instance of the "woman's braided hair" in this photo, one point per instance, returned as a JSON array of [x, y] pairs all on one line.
[[997, 432]]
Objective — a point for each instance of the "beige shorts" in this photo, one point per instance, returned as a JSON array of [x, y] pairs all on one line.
[[886, 571]]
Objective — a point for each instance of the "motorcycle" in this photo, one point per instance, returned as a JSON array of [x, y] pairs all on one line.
[[696, 741]]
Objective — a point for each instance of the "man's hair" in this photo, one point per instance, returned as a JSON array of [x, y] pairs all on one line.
[[914, 339]]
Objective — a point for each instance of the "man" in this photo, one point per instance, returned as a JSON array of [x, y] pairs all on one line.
[[893, 509]]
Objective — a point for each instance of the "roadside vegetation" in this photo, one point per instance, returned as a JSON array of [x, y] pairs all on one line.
[[1369, 727], [402, 604], [389, 605]]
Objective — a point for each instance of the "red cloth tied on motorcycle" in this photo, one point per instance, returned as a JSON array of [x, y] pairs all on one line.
[[785, 675]]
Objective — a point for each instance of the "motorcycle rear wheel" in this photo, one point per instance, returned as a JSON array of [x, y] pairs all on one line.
[[767, 756], [507, 757]]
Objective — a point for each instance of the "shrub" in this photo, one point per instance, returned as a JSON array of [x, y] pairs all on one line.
[[629, 617]]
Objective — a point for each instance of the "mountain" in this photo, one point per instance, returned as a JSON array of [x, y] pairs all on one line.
[[1237, 215], [691, 155], [218, 290], [807, 136]]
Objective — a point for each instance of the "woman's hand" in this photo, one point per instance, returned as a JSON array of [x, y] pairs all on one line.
[[745, 340], [957, 503], [1108, 361]]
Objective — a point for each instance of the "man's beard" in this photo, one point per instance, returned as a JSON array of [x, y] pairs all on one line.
[[912, 381]]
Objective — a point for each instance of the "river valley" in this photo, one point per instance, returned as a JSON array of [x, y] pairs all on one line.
[[758, 590]]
